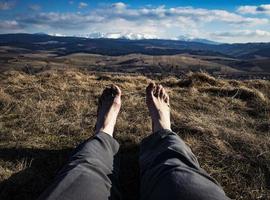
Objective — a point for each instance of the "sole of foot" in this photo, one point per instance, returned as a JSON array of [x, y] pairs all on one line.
[[108, 109]]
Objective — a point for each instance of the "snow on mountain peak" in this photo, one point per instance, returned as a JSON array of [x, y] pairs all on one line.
[[129, 36], [138, 36]]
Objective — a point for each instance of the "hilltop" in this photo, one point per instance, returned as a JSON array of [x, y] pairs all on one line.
[[39, 52], [44, 115]]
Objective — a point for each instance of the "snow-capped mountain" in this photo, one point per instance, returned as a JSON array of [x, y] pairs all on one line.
[[193, 39], [138, 36], [129, 36]]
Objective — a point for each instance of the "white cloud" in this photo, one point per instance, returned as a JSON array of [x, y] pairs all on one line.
[[247, 9], [82, 5], [64, 21], [262, 9], [241, 33], [9, 25], [192, 14], [119, 5], [6, 5], [35, 7], [243, 36], [157, 22]]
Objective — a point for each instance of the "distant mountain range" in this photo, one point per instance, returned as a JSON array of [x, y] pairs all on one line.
[[128, 36], [134, 36], [199, 40], [170, 55], [119, 45]]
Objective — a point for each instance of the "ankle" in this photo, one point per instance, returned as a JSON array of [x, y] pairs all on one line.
[[105, 125], [160, 125], [108, 131]]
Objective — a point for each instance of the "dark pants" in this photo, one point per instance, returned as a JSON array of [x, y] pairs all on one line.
[[169, 170]]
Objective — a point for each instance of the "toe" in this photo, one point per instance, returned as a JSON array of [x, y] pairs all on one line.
[[116, 93], [105, 94], [163, 94], [116, 90], [158, 91], [150, 89], [166, 98]]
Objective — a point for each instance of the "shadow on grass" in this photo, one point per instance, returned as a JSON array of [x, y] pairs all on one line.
[[40, 167], [130, 173]]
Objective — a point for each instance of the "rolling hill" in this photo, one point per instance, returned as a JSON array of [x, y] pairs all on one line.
[[157, 56]]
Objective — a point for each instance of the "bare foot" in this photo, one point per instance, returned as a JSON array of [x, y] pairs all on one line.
[[108, 109], [157, 101]]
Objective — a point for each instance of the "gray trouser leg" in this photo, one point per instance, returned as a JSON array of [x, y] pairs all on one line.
[[169, 170], [91, 173]]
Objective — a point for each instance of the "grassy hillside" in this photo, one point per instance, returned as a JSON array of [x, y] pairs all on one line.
[[116, 47], [44, 116], [37, 61]]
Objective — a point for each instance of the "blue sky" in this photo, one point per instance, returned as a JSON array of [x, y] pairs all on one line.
[[236, 21]]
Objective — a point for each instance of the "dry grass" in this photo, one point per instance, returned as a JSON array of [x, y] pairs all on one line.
[[37, 61], [44, 116]]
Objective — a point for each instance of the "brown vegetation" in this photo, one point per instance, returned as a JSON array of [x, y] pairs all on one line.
[[38, 61], [44, 116]]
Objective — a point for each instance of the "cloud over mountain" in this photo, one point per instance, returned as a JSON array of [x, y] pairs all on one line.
[[6, 5], [157, 21], [82, 5], [261, 9], [246, 33]]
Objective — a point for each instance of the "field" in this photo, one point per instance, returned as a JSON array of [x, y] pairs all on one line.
[[44, 115], [37, 61]]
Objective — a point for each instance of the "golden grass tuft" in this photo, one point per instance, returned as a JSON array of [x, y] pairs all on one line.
[[44, 116], [202, 78], [242, 92], [5, 100]]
